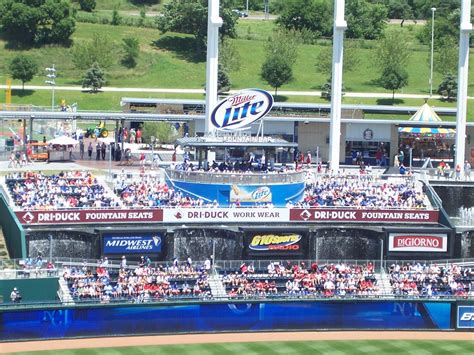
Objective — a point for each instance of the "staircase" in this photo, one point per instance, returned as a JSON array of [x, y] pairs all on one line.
[[4, 256], [383, 283], [63, 292], [216, 285]]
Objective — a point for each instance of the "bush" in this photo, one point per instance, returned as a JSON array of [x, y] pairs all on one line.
[[87, 5]]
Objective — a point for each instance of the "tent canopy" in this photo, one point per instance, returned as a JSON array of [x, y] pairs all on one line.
[[63, 140], [426, 114]]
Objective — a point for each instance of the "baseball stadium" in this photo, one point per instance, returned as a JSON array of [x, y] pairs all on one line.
[[265, 227]]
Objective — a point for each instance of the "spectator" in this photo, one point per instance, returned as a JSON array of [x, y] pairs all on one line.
[[15, 296]]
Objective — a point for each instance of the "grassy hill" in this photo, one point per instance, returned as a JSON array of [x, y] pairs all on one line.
[[168, 61]]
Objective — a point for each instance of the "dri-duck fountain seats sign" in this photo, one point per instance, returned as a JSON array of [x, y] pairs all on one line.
[[241, 110]]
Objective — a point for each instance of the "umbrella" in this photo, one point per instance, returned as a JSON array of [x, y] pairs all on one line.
[[426, 114], [63, 140]]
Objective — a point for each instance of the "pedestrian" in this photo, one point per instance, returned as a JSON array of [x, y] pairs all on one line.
[[81, 149], [142, 159], [139, 136], [89, 150], [467, 170], [458, 172], [103, 148], [97, 151], [396, 161]]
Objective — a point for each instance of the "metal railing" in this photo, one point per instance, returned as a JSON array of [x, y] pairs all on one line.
[[236, 177]]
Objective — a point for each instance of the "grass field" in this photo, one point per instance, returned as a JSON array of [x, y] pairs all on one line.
[[315, 347]]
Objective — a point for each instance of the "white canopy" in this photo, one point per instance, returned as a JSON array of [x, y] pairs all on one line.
[[63, 140]]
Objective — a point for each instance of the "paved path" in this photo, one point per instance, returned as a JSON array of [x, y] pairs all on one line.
[[202, 91]]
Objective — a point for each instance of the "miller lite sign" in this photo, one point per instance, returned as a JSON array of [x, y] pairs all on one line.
[[242, 109]]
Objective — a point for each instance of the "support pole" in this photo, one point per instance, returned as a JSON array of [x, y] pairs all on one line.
[[213, 24], [463, 72], [340, 25]]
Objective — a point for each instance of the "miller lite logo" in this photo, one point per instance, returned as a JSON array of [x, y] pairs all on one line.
[[242, 109], [261, 193]]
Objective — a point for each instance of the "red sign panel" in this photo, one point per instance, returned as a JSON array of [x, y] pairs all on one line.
[[362, 215], [418, 242], [89, 216]]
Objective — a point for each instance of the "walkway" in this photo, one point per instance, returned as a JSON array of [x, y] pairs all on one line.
[[374, 95]]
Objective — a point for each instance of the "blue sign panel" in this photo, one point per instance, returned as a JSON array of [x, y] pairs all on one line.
[[218, 317], [465, 317], [132, 243]]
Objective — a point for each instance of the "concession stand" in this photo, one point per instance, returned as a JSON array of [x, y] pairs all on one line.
[[435, 142], [61, 148]]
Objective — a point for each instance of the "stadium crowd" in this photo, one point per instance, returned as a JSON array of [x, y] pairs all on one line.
[[416, 279], [359, 192], [152, 192], [142, 283], [70, 189], [299, 279], [79, 189]]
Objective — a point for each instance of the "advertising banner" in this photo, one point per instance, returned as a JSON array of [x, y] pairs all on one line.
[[465, 317], [132, 243], [241, 110], [89, 216], [251, 194], [275, 244], [226, 215], [418, 242], [362, 215]]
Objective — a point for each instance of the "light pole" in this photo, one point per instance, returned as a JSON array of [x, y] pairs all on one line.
[[51, 81], [433, 9]]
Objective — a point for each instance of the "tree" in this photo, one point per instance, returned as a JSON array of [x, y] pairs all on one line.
[[223, 80], [116, 18], [399, 9], [23, 68], [131, 48], [448, 87], [100, 49], [276, 71], [446, 56], [365, 20], [313, 15], [229, 57], [284, 43], [94, 78], [324, 59], [446, 25], [394, 78], [163, 131], [392, 51], [37, 22], [326, 89], [87, 5], [190, 16]]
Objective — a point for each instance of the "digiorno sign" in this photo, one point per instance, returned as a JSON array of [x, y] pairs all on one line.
[[242, 109]]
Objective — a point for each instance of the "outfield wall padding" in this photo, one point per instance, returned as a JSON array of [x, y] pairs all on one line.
[[112, 320]]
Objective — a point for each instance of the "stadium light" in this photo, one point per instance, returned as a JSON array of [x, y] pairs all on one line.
[[433, 9]]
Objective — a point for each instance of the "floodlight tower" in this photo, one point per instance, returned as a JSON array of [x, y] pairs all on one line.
[[463, 72], [213, 24], [340, 25]]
